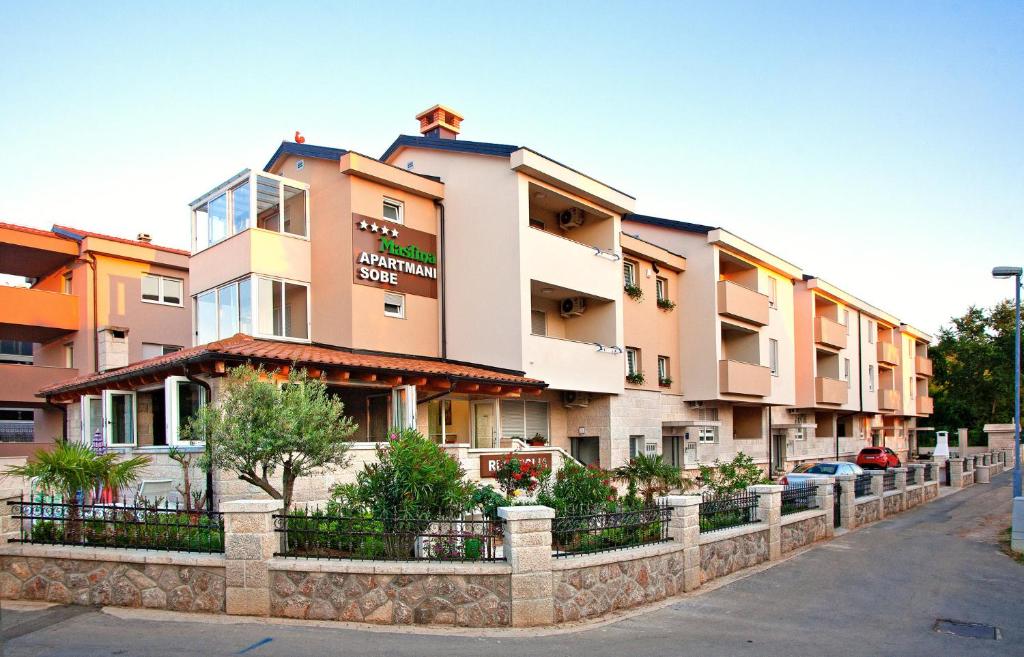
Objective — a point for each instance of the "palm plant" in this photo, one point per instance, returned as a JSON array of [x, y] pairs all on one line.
[[73, 467], [652, 476]]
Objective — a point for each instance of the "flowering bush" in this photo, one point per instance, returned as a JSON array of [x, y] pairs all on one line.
[[517, 477], [579, 490]]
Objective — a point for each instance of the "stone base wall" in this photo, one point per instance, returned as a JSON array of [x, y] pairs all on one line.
[[931, 490], [593, 591], [113, 582], [392, 599], [893, 503], [722, 557], [803, 532], [866, 512], [915, 496], [968, 479]]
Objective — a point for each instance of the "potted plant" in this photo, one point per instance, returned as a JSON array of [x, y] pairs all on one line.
[[634, 291], [666, 304], [537, 440], [636, 378], [665, 381]]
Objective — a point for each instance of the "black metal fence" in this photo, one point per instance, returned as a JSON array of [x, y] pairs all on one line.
[[727, 511], [321, 536], [137, 525], [799, 497], [912, 476], [889, 481], [862, 485], [929, 473], [837, 493], [609, 531], [948, 473]]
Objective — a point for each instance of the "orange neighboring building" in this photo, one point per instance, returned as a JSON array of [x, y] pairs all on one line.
[[90, 303]]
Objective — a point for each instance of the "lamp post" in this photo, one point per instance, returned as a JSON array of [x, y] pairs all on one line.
[[1015, 273]]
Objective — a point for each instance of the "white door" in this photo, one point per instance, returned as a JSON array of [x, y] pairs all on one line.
[[92, 418], [484, 426], [119, 417], [690, 454]]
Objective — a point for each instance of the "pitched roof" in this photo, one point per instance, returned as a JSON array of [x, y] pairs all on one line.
[[456, 145], [305, 150], [668, 223], [32, 231], [241, 347], [79, 234]]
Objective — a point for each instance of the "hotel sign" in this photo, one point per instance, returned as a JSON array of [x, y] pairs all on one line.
[[394, 257], [490, 463]]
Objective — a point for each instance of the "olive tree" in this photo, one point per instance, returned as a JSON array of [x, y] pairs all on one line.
[[258, 426]]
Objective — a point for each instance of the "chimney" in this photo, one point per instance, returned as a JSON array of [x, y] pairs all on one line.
[[439, 122], [144, 237]]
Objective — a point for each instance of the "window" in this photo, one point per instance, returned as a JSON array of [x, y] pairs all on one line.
[[150, 350], [17, 425], [632, 361], [871, 378], [586, 449], [394, 305], [707, 434], [525, 419], [910, 384], [162, 289], [538, 322], [66, 284], [910, 349], [403, 407], [283, 309], [846, 320], [393, 211], [268, 204], [119, 417], [636, 446], [223, 312], [661, 288], [240, 207], [799, 434], [773, 356], [182, 398], [69, 355], [663, 368], [629, 272], [773, 291], [294, 210], [218, 216], [871, 332], [846, 371]]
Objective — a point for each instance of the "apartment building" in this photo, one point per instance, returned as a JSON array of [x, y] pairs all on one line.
[[89, 303]]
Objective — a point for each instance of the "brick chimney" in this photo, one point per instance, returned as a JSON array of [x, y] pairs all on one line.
[[439, 122]]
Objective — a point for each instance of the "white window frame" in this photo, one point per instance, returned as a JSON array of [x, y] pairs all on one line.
[[69, 355], [398, 205], [846, 320], [663, 368], [401, 305], [871, 331], [773, 356], [403, 415], [661, 288], [629, 270], [773, 292], [66, 282], [108, 398], [637, 445], [707, 435], [799, 434], [632, 360], [87, 430], [871, 378], [255, 292], [161, 279], [847, 371], [172, 404]]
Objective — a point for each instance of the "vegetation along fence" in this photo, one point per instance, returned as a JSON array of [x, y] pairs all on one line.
[[321, 536], [889, 481], [798, 497], [862, 485], [603, 532], [139, 525], [722, 512]]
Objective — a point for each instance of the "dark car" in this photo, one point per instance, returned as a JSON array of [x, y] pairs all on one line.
[[878, 458]]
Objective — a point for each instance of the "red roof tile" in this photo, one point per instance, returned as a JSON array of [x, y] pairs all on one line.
[[244, 346], [122, 240], [34, 231]]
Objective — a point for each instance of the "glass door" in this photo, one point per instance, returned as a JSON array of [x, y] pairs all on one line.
[[119, 417], [92, 421]]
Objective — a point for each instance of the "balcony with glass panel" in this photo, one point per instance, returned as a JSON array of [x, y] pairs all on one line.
[[254, 222], [256, 305]]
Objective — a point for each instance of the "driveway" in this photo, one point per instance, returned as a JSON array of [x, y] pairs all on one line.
[[874, 591]]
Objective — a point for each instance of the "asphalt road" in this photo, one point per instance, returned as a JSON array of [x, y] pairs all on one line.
[[874, 591]]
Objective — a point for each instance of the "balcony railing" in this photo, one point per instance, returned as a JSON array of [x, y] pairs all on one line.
[[36, 315], [20, 383], [888, 353], [923, 366], [889, 400], [830, 391], [742, 303], [573, 365], [925, 405], [738, 378], [829, 333]]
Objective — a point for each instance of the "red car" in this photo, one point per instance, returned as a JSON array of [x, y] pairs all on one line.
[[877, 458]]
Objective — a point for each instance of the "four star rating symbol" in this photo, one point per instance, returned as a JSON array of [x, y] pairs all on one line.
[[374, 228]]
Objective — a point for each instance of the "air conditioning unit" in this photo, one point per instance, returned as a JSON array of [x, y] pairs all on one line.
[[695, 404], [573, 398], [571, 218], [795, 411], [573, 307]]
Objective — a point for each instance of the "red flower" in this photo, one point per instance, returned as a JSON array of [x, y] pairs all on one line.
[[517, 476]]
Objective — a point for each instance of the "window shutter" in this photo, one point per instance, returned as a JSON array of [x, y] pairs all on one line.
[[536, 419], [538, 322], [512, 419]]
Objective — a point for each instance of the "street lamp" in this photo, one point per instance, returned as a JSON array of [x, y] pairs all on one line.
[[1015, 273]]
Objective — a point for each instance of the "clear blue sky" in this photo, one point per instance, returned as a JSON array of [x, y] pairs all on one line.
[[894, 129]]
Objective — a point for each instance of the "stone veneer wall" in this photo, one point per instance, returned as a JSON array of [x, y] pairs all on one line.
[[110, 579], [799, 533], [719, 558], [893, 503], [595, 590], [866, 511], [915, 496]]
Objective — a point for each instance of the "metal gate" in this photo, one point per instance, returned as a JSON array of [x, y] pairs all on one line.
[[837, 492]]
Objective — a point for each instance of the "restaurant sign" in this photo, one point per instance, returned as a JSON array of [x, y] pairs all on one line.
[[491, 463], [394, 257]]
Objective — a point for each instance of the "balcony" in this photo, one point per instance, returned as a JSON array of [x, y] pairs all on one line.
[[830, 391], [889, 400], [36, 315], [742, 303], [829, 333], [572, 265], [253, 250], [20, 383], [571, 365], [738, 378], [888, 353], [925, 405], [923, 366]]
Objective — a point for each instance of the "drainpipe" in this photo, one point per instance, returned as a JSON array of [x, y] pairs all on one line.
[[444, 279], [209, 471], [93, 262], [771, 439]]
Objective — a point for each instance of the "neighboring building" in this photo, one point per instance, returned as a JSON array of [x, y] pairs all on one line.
[[91, 303]]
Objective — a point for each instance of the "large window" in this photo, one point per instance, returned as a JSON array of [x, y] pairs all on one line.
[[283, 309], [119, 416], [182, 398], [278, 205], [162, 289], [222, 312], [524, 419]]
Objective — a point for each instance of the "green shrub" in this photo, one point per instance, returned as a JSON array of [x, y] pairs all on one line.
[[577, 490], [723, 478]]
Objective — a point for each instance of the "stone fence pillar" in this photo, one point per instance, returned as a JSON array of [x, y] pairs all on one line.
[[956, 473], [249, 544], [769, 511], [824, 499], [9, 528], [983, 474], [877, 489], [901, 478], [684, 528], [528, 552], [847, 497], [969, 464], [915, 473], [1017, 526]]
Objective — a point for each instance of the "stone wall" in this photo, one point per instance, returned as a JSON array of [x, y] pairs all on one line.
[[735, 551], [114, 580], [915, 496], [866, 511], [803, 532], [893, 503], [392, 599], [593, 591]]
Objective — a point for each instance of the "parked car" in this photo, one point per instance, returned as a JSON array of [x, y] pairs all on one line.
[[802, 473], [878, 458]]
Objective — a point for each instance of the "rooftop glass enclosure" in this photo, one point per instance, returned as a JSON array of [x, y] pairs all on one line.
[[250, 200]]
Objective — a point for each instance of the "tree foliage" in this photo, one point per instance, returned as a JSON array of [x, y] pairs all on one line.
[[725, 478], [259, 426], [73, 467], [651, 476]]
